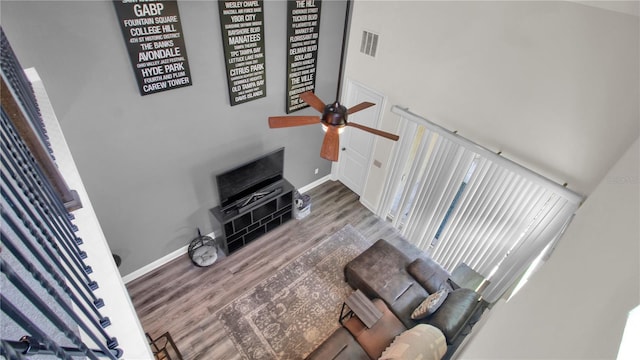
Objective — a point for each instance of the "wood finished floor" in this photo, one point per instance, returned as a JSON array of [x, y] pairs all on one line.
[[183, 299]]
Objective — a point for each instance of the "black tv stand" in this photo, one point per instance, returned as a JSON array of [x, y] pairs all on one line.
[[255, 215]]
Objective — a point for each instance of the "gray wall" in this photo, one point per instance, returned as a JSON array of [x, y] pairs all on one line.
[[148, 161]]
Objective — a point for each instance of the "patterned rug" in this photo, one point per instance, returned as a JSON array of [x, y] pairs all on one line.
[[289, 314]]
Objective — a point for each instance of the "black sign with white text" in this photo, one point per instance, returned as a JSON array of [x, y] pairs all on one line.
[[242, 24], [303, 33], [153, 34]]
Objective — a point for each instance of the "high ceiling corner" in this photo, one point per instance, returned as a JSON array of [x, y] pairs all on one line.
[[626, 7]]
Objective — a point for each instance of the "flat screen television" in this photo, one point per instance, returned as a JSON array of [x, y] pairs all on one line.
[[240, 182]]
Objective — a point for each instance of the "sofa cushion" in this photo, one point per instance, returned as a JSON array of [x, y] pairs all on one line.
[[396, 286], [381, 272], [454, 313], [339, 346], [429, 274], [423, 342], [430, 304]]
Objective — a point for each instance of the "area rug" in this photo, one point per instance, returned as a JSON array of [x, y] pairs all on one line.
[[289, 314]]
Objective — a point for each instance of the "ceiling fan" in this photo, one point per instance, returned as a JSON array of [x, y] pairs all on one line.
[[333, 120]]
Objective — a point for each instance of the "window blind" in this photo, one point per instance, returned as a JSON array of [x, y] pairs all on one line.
[[462, 203]]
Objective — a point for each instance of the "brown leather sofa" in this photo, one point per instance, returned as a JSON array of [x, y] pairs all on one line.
[[403, 279]]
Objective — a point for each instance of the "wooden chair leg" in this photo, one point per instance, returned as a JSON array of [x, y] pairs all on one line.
[[163, 351]]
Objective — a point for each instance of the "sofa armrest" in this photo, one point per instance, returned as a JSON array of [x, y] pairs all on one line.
[[455, 313]]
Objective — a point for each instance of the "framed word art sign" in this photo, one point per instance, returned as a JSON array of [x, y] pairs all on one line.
[[153, 35], [242, 24], [303, 33]]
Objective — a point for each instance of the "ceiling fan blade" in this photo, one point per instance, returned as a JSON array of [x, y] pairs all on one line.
[[288, 121], [375, 131], [330, 144], [361, 106], [311, 99]]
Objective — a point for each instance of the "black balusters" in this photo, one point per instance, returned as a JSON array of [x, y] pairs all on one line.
[[49, 294]]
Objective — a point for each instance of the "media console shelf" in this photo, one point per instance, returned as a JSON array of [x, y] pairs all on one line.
[[272, 208]]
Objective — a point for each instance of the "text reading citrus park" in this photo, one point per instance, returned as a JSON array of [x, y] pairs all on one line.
[[303, 32], [153, 34], [242, 25]]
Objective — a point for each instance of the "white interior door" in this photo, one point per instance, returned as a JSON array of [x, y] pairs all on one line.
[[356, 145]]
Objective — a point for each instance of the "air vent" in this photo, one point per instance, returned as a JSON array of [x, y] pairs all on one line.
[[369, 44]]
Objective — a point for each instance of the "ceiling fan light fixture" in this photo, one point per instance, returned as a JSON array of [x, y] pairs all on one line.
[[340, 128]]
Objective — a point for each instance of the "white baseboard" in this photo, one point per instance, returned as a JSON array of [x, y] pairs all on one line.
[[318, 182], [368, 205], [154, 265], [183, 250]]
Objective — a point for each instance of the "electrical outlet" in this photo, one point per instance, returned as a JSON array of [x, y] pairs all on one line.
[[316, 171]]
